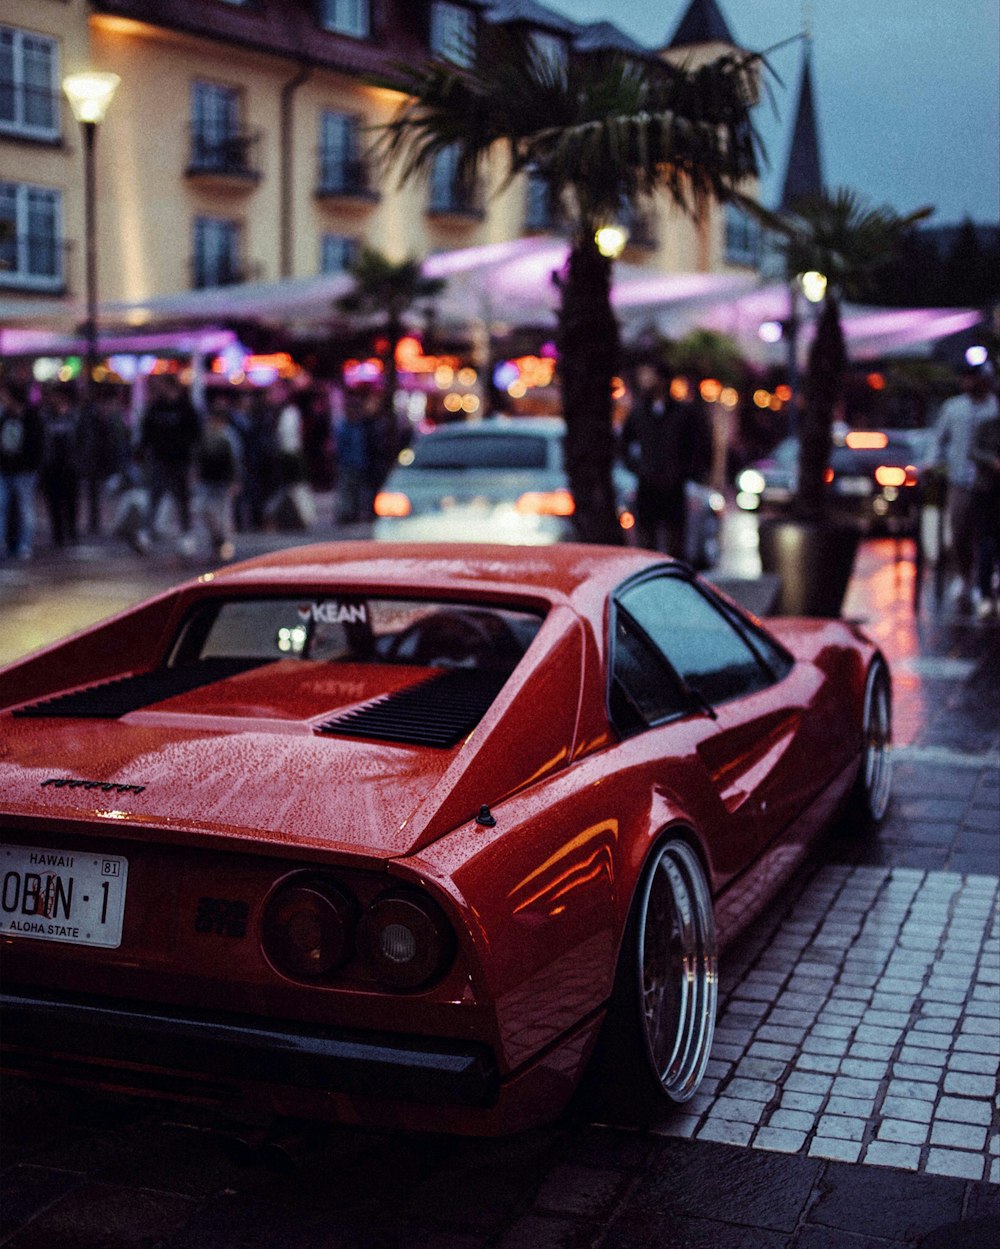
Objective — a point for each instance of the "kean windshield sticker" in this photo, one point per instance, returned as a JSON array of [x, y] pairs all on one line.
[[332, 612]]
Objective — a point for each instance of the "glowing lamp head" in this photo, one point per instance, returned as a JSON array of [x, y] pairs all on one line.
[[611, 240], [90, 94], [813, 286]]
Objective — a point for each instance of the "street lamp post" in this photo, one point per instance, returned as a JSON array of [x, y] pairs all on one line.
[[89, 94]]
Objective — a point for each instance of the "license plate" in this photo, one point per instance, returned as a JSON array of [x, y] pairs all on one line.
[[853, 485], [62, 895]]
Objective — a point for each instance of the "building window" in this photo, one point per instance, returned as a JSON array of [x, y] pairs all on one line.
[[337, 253], [218, 142], [539, 207], [341, 171], [346, 17], [29, 74], [550, 50], [453, 33], [31, 242], [216, 252], [450, 192], [742, 237]]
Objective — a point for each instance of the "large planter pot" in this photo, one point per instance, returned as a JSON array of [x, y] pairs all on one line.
[[814, 561]]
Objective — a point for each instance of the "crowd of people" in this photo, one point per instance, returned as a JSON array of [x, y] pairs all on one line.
[[249, 460], [253, 460]]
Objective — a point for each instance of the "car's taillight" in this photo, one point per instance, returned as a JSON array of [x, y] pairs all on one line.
[[912, 477], [308, 928], [828, 476], [392, 503], [626, 519], [546, 503], [890, 475], [404, 940]]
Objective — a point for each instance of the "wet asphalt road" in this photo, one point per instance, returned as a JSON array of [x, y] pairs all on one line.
[[851, 1102]]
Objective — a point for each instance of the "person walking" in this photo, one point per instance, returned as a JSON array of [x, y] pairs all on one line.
[[665, 442], [21, 446], [60, 475], [218, 465], [985, 456], [954, 436], [356, 455], [169, 433]]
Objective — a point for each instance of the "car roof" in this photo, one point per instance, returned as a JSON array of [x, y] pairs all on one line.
[[561, 572]]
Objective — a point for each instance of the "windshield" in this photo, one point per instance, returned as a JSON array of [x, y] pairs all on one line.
[[357, 629], [488, 450]]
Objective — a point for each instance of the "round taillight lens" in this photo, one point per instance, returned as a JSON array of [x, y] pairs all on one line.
[[308, 928], [405, 940]]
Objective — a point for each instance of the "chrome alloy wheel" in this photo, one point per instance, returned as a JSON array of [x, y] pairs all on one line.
[[876, 758], [677, 969]]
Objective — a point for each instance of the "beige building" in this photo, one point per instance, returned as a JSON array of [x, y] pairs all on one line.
[[234, 149]]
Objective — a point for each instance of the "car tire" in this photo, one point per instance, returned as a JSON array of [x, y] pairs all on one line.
[[657, 1035], [873, 788]]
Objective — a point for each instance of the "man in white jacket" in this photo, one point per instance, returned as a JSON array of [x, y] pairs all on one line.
[[955, 432]]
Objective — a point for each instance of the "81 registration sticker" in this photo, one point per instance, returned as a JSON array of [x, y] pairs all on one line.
[[62, 895]]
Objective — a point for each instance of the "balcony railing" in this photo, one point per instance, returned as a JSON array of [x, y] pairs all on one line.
[[227, 155], [345, 179], [455, 201], [32, 262], [222, 272]]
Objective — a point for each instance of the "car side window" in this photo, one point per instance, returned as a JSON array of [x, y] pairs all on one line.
[[702, 645], [643, 690]]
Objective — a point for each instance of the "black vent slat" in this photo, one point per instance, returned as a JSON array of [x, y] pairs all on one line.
[[117, 697], [437, 712]]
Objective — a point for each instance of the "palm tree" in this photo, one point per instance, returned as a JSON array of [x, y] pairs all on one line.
[[605, 132], [837, 235], [384, 291]]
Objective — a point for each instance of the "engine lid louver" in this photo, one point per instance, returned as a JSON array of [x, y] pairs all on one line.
[[117, 697], [437, 712]]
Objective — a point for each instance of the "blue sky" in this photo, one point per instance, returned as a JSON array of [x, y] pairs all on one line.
[[907, 91]]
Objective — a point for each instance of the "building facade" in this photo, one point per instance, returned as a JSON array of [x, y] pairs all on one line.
[[237, 146]]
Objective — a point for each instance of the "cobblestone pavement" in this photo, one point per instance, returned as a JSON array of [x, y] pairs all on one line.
[[851, 1102]]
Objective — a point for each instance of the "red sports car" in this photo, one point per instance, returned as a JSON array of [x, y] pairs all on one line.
[[413, 836]]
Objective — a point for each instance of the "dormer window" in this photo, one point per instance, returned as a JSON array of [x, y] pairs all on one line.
[[346, 17], [453, 33], [550, 49]]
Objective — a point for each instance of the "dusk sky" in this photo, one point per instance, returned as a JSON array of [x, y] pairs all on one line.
[[907, 92]]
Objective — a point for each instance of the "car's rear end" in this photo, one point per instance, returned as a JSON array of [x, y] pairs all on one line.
[[209, 891]]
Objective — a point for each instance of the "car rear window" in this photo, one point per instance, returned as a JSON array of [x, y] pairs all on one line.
[[492, 450], [357, 629]]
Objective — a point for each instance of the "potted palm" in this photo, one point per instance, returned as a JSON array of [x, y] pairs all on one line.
[[606, 132], [837, 236]]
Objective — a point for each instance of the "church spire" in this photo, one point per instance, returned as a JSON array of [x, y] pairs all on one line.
[[804, 171], [702, 23]]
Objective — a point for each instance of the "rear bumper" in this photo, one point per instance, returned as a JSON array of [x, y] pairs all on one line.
[[155, 1050]]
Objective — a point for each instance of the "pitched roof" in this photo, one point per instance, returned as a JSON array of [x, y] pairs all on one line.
[[804, 172], [504, 11], [596, 36], [702, 23]]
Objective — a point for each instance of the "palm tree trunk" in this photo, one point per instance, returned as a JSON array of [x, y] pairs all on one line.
[[588, 344], [823, 385]]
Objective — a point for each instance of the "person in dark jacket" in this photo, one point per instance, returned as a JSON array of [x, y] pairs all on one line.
[[665, 442], [985, 456], [60, 413], [169, 434], [21, 442]]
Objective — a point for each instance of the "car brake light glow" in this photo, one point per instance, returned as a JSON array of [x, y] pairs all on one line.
[[889, 475], [626, 520], [546, 503], [828, 476], [392, 503], [874, 440]]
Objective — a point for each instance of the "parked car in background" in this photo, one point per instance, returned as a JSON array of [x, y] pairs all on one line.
[[395, 836], [504, 480], [873, 477]]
